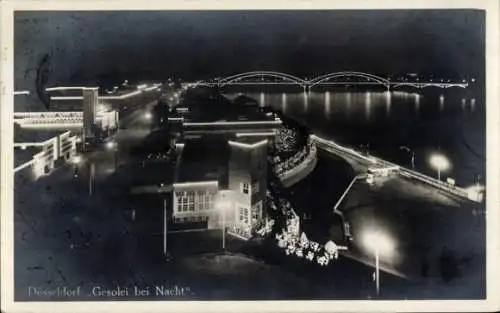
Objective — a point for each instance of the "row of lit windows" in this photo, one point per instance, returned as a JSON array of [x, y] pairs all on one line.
[[243, 213], [193, 201]]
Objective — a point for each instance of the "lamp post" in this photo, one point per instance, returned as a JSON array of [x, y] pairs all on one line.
[[378, 243], [91, 177], [76, 160], [113, 146], [440, 163], [222, 205], [165, 227]]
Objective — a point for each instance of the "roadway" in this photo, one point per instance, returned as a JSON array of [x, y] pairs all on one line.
[[66, 238], [63, 236], [438, 238]]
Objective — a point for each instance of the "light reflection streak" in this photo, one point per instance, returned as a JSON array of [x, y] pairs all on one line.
[[441, 103], [348, 102], [283, 102], [327, 104], [306, 101], [368, 105], [388, 103], [417, 103]]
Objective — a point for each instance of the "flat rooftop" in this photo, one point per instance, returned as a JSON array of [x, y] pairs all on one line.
[[154, 172], [22, 156], [210, 107], [204, 160], [22, 135]]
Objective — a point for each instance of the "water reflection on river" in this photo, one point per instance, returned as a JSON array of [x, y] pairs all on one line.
[[423, 228], [451, 122]]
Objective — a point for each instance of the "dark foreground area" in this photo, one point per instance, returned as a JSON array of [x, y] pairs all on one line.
[[64, 238]]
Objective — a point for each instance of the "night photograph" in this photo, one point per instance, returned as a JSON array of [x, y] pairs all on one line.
[[210, 155]]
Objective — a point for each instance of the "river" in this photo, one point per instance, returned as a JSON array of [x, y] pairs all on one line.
[[450, 122], [423, 227]]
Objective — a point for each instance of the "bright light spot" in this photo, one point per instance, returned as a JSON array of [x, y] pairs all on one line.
[[77, 159], [23, 147], [222, 204], [148, 116], [475, 192], [78, 139], [440, 162], [110, 144], [378, 242]]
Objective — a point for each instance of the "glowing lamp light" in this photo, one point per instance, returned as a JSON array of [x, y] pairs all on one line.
[[110, 144], [148, 116], [77, 159], [475, 192], [378, 243], [440, 163]]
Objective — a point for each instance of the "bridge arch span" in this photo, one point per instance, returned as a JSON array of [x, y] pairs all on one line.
[[371, 77], [288, 77]]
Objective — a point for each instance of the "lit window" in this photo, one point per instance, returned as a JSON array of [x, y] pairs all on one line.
[[190, 201], [243, 215], [256, 211], [245, 188]]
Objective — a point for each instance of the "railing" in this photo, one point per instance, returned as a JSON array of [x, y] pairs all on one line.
[[455, 190], [47, 114], [288, 164], [52, 120]]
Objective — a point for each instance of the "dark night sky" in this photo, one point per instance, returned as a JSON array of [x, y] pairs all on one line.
[[88, 45]]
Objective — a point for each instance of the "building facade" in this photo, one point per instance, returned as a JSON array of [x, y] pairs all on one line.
[[248, 183], [90, 98]]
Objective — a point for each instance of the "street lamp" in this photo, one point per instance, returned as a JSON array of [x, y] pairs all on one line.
[[378, 243], [440, 163], [222, 205], [76, 160], [112, 146]]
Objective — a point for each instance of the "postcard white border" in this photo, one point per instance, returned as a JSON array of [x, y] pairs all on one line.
[[493, 168]]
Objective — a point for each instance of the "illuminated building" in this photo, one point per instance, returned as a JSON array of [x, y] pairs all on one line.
[[89, 113], [222, 170], [37, 153], [235, 173]]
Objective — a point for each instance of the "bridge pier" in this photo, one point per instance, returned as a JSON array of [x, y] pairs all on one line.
[[307, 89]]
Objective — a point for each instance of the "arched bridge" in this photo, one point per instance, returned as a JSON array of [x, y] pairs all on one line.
[[334, 79], [239, 79]]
